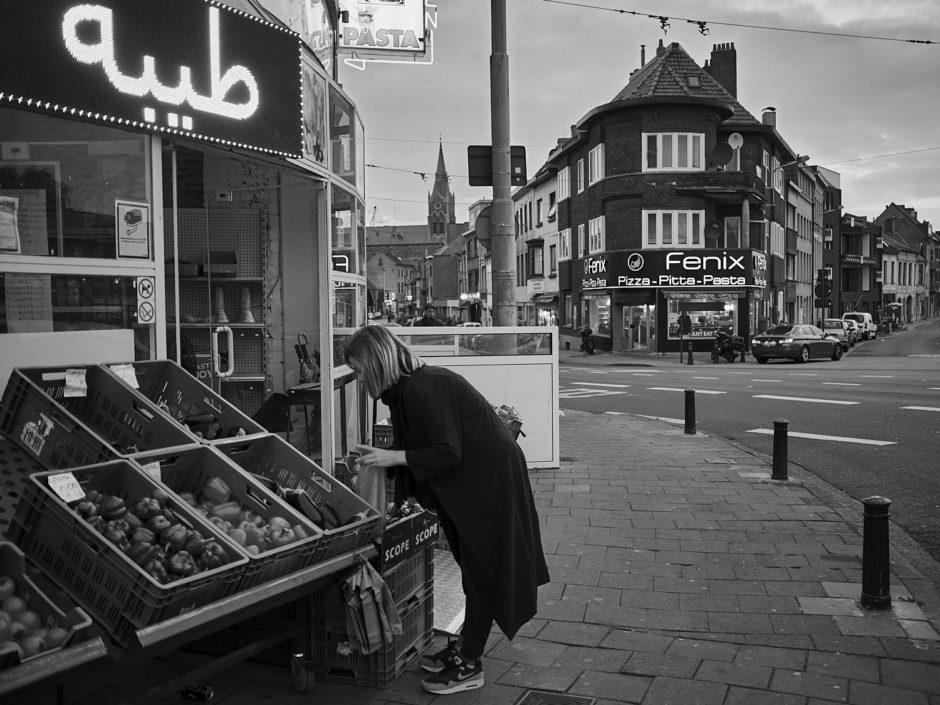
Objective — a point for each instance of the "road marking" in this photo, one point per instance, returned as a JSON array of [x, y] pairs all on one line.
[[602, 384], [803, 374], [926, 355], [643, 374], [766, 380], [821, 437], [677, 389], [706, 378], [877, 376], [844, 384], [921, 408], [584, 393], [934, 388], [588, 370], [681, 422], [815, 401]]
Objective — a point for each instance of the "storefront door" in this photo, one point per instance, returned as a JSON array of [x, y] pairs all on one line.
[[636, 326]]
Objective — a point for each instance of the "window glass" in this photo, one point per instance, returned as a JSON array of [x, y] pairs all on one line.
[[708, 315], [683, 158], [667, 152], [346, 140], [64, 184], [652, 158], [667, 228], [596, 313], [682, 228]]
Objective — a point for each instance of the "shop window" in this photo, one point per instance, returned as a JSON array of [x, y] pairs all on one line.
[[595, 312], [707, 316], [346, 138], [64, 185]]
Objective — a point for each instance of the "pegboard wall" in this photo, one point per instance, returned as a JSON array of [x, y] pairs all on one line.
[[238, 230]]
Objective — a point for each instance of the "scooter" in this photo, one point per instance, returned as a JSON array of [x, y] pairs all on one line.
[[587, 340], [727, 346]]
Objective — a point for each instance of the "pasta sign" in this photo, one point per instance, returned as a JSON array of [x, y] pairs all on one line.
[[382, 27]]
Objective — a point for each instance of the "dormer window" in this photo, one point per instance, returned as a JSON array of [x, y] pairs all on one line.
[[694, 82]]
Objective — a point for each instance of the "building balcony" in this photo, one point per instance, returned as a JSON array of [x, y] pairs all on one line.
[[719, 186], [851, 260]]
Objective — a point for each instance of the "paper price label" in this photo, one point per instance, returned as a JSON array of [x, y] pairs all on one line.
[[126, 372], [66, 486], [152, 470], [75, 383]]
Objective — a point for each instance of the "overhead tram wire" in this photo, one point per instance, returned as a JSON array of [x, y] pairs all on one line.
[[703, 24]]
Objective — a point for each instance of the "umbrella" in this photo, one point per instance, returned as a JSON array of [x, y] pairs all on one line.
[[372, 620]]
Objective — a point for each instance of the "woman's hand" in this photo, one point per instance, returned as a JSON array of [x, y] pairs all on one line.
[[379, 458]]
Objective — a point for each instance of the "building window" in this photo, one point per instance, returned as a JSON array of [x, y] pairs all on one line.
[[596, 164], [671, 228], [733, 233], [580, 175], [596, 238], [538, 212], [564, 245], [580, 252], [552, 259], [536, 262], [564, 183], [673, 151]]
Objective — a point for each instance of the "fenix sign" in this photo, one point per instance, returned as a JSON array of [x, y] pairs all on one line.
[[177, 66], [674, 268]]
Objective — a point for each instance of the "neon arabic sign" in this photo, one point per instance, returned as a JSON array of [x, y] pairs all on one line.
[[103, 53], [200, 69]]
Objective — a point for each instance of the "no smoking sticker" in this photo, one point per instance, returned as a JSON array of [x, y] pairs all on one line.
[[145, 293]]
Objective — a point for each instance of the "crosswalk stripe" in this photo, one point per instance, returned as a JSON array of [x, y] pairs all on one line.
[[815, 401], [602, 384], [921, 408], [821, 437], [766, 380], [844, 384]]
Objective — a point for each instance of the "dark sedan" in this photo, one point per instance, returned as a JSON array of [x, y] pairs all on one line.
[[799, 343]]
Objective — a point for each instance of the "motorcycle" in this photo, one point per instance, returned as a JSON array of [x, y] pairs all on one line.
[[727, 346], [587, 340]]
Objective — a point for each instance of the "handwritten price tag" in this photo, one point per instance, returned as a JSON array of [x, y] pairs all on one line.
[[152, 470], [127, 373], [75, 384], [66, 486]]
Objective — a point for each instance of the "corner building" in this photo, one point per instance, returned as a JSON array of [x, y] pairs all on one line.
[[671, 201]]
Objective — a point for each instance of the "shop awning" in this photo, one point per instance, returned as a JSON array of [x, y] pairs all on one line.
[[545, 299]]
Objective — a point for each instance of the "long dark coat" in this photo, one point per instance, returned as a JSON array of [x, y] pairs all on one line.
[[465, 461]]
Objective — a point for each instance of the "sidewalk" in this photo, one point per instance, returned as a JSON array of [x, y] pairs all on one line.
[[681, 574]]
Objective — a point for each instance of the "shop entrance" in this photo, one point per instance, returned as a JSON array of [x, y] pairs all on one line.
[[637, 327]]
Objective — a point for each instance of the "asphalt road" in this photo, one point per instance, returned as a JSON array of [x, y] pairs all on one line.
[[868, 424]]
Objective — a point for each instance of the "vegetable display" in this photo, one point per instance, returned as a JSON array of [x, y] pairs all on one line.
[[151, 534], [21, 629]]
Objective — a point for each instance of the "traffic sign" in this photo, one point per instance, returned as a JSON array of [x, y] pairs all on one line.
[[823, 289]]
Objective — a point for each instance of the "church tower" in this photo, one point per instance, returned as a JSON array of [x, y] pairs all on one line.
[[441, 208]]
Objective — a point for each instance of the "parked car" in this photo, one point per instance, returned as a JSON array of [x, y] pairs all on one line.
[[852, 327], [866, 324], [838, 328], [798, 342]]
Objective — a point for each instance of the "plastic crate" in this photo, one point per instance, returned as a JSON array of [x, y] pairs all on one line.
[[414, 576], [382, 435], [272, 457], [173, 390], [120, 419], [47, 432], [53, 608], [379, 669], [100, 576], [405, 538], [188, 470]]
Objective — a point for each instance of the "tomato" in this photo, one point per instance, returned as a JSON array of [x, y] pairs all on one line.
[[30, 620], [56, 637], [7, 586], [14, 606]]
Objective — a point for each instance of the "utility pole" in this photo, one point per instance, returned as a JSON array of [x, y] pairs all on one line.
[[502, 243]]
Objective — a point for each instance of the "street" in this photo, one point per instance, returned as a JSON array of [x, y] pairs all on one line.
[[868, 424]]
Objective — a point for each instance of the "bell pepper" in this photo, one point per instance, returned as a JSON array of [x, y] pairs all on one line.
[[214, 554], [255, 536], [93, 496], [86, 508], [97, 522], [216, 491], [146, 507], [181, 564], [141, 552], [112, 507], [282, 537], [300, 532], [156, 570], [246, 516], [173, 537], [133, 521], [229, 511], [238, 536], [158, 523], [143, 535], [119, 525], [161, 495], [278, 522], [194, 543], [115, 536]]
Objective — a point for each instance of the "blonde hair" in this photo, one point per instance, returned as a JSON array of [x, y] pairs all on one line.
[[380, 358]]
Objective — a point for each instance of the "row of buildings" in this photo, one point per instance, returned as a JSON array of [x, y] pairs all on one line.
[[670, 199]]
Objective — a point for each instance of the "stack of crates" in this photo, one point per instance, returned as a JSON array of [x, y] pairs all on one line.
[[406, 564]]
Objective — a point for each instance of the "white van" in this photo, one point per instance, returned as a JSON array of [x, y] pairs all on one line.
[[866, 326]]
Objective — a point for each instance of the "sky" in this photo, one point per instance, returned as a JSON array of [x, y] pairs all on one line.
[[868, 109]]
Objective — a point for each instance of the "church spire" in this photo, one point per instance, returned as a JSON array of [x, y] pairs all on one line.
[[441, 203]]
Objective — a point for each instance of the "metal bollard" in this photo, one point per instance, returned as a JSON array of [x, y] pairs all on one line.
[[690, 353], [780, 450], [876, 565], [690, 411]]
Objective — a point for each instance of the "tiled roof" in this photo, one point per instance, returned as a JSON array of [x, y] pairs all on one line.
[[667, 76]]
